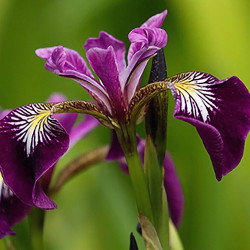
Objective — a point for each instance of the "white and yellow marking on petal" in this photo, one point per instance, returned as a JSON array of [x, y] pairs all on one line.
[[194, 89], [32, 125], [4, 189]]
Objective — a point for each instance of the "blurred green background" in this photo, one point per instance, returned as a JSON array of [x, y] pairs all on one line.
[[96, 210]]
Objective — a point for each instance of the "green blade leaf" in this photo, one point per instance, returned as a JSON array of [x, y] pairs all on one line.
[[154, 175]]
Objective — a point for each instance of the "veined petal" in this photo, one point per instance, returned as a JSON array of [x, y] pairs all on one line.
[[145, 43], [31, 142], [220, 111], [103, 42], [155, 21], [68, 63], [104, 63], [60, 59]]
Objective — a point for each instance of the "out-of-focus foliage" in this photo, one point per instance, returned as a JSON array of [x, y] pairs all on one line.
[[96, 210]]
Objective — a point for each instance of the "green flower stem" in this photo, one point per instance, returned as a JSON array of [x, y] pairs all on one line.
[[36, 221], [128, 141]]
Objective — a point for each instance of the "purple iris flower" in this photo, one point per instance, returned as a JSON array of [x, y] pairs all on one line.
[[171, 181], [32, 139], [118, 83], [219, 110], [27, 187]]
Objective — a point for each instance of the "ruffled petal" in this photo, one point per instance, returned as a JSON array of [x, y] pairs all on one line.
[[220, 111], [68, 63], [145, 43], [103, 62], [103, 42], [31, 142]]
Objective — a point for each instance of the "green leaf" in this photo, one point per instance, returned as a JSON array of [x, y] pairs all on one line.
[[174, 239], [154, 175]]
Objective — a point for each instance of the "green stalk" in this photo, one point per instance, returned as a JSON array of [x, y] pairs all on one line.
[[36, 221], [128, 141]]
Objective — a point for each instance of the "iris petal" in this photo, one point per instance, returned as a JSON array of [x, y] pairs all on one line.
[[31, 142], [220, 111]]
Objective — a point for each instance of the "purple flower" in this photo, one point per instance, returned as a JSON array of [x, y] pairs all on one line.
[[28, 156], [220, 111], [106, 55], [171, 182]]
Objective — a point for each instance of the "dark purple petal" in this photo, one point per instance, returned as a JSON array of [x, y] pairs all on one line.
[[174, 191], [31, 142], [82, 129], [4, 225], [12, 210], [220, 111], [104, 63], [103, 42], [115, 152], [68, 63], [155, 21]]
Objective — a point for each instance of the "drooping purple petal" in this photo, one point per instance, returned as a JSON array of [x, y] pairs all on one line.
[[220, 111], [12, 210], [104, 63], [82, 129], [68, 63], [145, 43], [115, 152], [103, 42], [171, 182], [31, 142], [174, 191]]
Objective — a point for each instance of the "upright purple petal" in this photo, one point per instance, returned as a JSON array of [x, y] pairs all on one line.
[[3, 113], [220, 111], [31, 142], [68, 63], [104, 63], [155, 21], [174, 191], [145, 43], [103, 42]]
